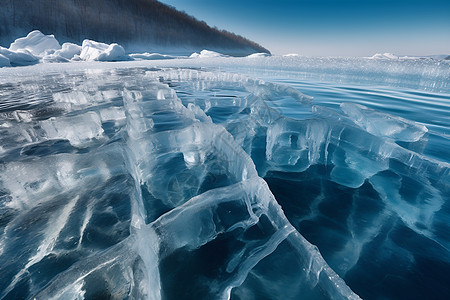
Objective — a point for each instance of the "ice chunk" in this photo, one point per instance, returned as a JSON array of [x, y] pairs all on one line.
[[37, 43], [207, 54], [112, 114], [78, 130], [67, 52], [382, 124], [295, 145], [92, 50], [20, 58], [352, 168], [78, 98]]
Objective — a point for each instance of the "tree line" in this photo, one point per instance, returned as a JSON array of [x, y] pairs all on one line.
[[133, 23]]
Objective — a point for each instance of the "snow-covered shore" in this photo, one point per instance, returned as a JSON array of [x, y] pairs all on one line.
[[37, 47]]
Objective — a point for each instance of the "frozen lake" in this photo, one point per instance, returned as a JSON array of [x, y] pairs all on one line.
[[226, 178]]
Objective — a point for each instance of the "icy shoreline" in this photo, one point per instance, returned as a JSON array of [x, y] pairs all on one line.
[[39, 48]]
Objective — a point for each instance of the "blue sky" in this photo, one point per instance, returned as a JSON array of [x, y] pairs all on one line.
[[332, 27]]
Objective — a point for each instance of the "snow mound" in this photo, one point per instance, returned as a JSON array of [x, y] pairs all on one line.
[[258, 55], [96, 51], [207, 54], [291, 55], [384, 56], [67, 52], [36, 43], [151, 56]]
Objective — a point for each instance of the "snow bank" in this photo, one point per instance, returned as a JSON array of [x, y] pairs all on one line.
[[36, 43], [207, 54], [96, 51]]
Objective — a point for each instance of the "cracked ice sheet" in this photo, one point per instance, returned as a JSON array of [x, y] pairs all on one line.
[[322, 169], [306, 161], [94, 217]]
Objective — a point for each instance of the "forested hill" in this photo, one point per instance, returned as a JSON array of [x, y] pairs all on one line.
[[139, 25]]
